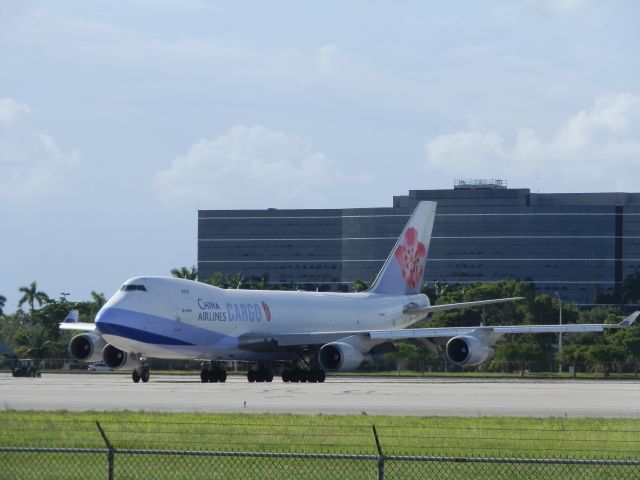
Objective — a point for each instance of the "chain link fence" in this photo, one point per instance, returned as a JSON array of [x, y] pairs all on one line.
[[113, 463], [59, 463]]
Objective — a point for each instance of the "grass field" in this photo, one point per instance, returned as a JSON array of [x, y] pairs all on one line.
[[352, 434], [421, 436]]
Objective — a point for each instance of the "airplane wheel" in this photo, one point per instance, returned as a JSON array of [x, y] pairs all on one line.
[[145, 376], [251, 376], [321, 376], [285, 376], [204, 376], [135, 376], [269, 376], [222, 377]]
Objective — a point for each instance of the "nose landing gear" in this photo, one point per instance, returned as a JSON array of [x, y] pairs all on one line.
[[142, 371]]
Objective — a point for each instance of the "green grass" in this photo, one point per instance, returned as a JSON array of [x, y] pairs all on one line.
[[352, 434]]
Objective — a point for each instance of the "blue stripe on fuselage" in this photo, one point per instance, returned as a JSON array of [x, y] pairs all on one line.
[[154, 329], [137, 334]]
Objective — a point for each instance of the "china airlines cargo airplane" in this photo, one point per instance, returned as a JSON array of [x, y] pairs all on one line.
[[309, 332]]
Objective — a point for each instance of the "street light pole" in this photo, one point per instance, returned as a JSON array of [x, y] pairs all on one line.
[[559, 334]]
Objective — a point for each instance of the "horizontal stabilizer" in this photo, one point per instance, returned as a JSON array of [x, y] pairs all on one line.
[[411, 309]]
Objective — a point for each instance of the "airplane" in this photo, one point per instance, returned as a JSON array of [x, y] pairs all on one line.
[[166, 317]]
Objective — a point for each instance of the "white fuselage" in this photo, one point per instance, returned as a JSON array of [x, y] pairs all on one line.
[[168, 317]]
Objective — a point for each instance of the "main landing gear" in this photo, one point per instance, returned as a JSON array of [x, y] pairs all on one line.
[[297, 375], [213, 373], [264, 373], [142, 372]]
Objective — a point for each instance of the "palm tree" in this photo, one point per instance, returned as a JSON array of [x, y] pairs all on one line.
[[235, 280], [98, 300], [359, 285], [185, 272], [31, 295], [3, 300], [217, 280], [34, 342]]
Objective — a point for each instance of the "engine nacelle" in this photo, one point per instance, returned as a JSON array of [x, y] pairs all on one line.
[[340, 357], [115, 358], [467, 350], [87, 347]]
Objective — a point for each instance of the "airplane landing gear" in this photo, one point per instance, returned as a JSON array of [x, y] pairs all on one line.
[[297, 375], [213, 373], [264, 373], [142, 372]]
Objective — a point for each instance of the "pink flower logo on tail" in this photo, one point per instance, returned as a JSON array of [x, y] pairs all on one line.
[[411, 255]]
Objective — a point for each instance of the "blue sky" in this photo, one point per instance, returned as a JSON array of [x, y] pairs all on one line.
[[118, 120]]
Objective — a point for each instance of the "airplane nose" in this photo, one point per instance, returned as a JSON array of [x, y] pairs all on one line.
[[104, 317]]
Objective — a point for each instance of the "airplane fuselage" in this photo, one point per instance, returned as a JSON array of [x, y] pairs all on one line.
[[166, 317]]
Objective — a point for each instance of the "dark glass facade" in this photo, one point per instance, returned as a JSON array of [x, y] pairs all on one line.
[[580, 245]]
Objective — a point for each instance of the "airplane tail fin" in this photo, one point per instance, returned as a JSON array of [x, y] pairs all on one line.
[[402, 272]]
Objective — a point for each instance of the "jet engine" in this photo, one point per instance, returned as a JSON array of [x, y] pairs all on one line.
[[467, 350], [87, 347], [340, 357], [115, 358]]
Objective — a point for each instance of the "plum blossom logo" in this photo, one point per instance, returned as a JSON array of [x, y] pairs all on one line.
[[411, 255]]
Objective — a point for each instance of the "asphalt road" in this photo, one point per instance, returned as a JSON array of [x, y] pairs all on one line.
[[345, 395]]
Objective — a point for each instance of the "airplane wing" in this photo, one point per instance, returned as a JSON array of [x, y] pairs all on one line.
[[258, 342], [71, 323], [79, 326], [406, 333]]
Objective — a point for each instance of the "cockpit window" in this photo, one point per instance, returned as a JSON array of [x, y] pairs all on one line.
[[130, 287]]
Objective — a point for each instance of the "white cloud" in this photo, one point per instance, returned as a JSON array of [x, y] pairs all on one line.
[[326, 58], [10, 110], [595, 150], [31, 163], [253, 167]]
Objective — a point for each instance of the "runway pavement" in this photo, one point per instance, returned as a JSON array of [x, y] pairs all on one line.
[[338, 395]]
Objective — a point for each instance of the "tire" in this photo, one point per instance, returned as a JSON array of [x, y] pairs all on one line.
[[285, 376], [135, 376], [223, 376], [145, 376], [204, 376], [251, 376], [322, 375]]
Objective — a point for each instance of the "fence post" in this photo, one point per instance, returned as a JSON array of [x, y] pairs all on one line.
[[380, 455], [110, 453]]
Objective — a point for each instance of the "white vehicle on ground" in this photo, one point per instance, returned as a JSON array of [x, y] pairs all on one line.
[[99, 367]]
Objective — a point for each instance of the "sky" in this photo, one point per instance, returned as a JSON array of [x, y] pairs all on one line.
[[119, 120]]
